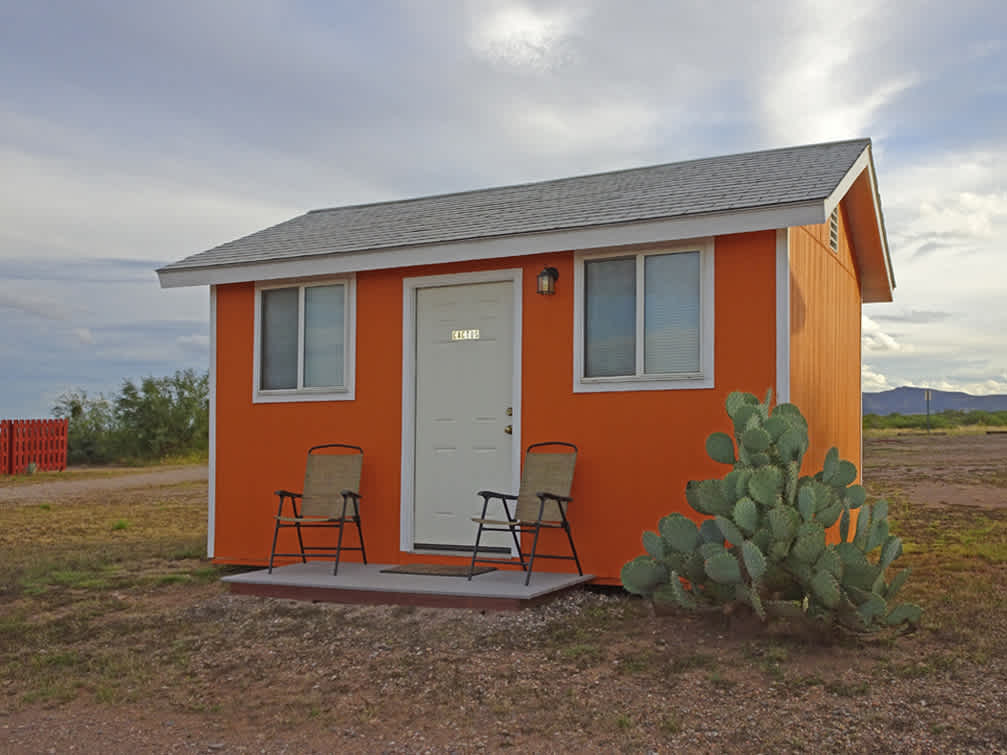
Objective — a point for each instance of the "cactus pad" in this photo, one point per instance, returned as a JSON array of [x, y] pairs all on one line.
[[891, 550], [682, 596], [831, 465], [723, 569], [738, 400], [825, 588], [806, 503], [707, 497], [643, 574], [680, 533], [755, 562], [896, 584], [653, 544], [729, 530], [746, 515], [907, 613], [845, 475], [810, 542], [755, 440], [783, 522], [720, 447], [765, 484], [855, 496]]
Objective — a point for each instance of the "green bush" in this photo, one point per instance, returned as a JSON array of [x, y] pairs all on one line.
[[764, 545], [159, 417], [945, 420]]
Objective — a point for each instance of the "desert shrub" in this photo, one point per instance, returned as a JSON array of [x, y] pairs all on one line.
[[91, 430], [764, 545], [945, 420], [145, 421]]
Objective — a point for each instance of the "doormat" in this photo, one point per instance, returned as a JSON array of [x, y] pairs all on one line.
[[437, 570]]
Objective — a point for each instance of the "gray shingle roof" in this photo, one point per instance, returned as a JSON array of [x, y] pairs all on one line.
[[693, 187]]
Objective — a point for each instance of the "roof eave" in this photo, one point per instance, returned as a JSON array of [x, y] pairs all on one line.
[[858, 189], [516, 245]]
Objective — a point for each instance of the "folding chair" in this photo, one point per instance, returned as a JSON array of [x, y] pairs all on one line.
[[540, 504], [331, 500]]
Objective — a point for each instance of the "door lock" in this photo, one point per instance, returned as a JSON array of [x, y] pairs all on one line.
[[509, 429]]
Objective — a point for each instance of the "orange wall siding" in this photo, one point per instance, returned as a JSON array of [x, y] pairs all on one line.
[[637, 449], [825, 307]]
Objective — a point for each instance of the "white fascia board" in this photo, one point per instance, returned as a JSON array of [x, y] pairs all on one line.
[[646, 232], [876, 196], [847, 181], [862, 163]]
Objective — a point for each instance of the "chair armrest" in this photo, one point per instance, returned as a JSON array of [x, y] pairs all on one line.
[[286, 494], [351, 493], [492, 494], [554, 497]]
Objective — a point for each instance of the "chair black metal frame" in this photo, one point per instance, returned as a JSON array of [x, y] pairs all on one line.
[[515, 525], [333, 518]]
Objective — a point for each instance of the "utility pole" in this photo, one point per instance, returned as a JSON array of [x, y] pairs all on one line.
[[926, 395]]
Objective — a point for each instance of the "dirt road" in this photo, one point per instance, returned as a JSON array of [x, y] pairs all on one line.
[[54, 491]]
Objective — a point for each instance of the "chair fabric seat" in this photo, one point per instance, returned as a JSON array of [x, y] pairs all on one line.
[[310, 519]]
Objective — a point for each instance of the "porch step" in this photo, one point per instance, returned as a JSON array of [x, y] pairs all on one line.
[[500, 590]]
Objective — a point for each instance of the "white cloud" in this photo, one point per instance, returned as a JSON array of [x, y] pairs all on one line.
[[549, 128], [113, 216], [873, 381], [84, 336], [820, 90], [873, 338], [514, 35], [39, 305]]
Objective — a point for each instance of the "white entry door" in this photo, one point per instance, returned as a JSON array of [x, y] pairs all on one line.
[[464, 402]]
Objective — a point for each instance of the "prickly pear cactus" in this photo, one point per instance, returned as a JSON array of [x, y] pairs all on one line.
[[763, 544]]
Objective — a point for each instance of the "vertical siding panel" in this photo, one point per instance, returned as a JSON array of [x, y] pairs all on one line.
[[825, 341]]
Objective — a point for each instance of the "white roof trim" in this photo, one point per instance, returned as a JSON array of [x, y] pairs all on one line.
[[674, 229], [864, 162]]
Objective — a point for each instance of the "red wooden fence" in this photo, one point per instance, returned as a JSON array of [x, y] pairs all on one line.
[[23, 441], [5, 446]]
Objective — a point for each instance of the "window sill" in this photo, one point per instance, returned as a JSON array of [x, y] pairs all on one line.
[[612, 385], [320, 394]]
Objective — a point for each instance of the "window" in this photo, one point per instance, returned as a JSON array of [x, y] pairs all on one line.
[[304, 336], [644, 321]]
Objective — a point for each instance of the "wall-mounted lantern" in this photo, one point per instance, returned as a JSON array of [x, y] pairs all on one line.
[[547, 281]]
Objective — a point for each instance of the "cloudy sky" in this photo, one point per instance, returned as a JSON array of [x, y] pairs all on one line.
[[134, 133]]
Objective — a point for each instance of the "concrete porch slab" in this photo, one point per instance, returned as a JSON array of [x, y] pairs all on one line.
[[503, 589]]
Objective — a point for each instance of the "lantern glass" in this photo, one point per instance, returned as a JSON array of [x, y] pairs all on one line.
[[547, 281]]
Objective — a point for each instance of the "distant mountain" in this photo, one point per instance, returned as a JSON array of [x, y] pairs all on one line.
[[912, 401]]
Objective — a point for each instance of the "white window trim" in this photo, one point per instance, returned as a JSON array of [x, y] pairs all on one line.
[[641, 382], [344, 393]]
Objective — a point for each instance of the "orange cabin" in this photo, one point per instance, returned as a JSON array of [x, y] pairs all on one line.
[[417, 330]]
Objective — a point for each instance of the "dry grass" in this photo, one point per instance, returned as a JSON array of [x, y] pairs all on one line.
[[107, 603]]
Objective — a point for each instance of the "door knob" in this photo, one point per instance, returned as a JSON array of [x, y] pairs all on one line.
[[510, 410], [509, 429]]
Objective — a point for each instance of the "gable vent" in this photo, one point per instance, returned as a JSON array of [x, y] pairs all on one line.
[[834, 230]]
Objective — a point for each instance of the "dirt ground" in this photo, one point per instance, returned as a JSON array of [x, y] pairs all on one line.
[[77, 484], [179, 665], [963, 470]]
